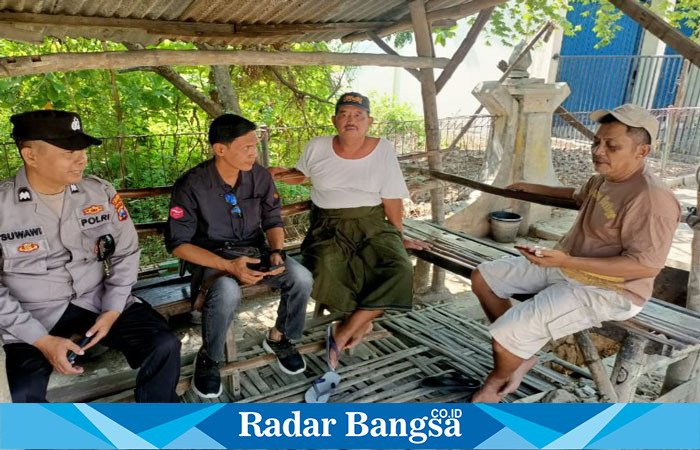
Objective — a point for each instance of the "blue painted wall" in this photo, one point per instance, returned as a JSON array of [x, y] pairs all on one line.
[[599, 83]]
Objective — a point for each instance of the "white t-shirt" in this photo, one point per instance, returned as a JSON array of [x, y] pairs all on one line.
[[350, 183]]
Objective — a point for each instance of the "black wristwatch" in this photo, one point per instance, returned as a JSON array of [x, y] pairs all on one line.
[[281, 251]]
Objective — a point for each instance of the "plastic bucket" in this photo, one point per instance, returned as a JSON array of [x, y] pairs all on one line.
[[504, 225]]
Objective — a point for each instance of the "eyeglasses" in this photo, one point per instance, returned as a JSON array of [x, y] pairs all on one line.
[[235, 209]]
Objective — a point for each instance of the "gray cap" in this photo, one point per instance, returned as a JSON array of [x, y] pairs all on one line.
[[632, 116]]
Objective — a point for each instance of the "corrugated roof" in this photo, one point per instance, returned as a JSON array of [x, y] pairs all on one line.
[[220, 21]]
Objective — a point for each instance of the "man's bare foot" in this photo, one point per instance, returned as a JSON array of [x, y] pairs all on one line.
[[333, 349], [359, 336], [517, 377], [486, 395]]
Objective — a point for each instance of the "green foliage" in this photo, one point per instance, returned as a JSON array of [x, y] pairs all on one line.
[[516, 20], [292, 193]]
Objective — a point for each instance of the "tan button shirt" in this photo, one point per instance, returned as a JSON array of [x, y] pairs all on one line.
[[636, 217], [48, 262]]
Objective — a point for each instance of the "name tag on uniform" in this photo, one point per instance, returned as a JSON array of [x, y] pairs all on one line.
[[91, 216], [21, 234]]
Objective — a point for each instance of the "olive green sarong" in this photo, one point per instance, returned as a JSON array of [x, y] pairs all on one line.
[[358, 260]]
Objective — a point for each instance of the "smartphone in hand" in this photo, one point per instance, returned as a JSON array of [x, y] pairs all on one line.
[[529, 249], [83, 342]]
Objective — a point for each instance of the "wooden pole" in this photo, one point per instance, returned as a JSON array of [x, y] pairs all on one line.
[[390, 51], [518, 195], [424, 47], [465, 46], [685, 370], [629, 366], [659, 28], [595, 365], [66, 62]]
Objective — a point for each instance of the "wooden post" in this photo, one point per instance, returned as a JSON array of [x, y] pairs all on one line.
[[629, 366], [424, 47], [595, 365], [689, 368]]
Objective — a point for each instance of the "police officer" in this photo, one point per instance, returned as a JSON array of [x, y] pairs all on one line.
[[220, 214], [69, 259]]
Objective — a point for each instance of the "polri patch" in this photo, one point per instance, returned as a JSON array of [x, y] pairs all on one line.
[[28, 247], [24, 195], [122, 213], [94, 209], [177, 213]]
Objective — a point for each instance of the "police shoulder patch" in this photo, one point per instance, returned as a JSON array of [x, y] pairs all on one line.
[[118, 203]]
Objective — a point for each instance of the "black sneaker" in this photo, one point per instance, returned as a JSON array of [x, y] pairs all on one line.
[[288, 358], [206, 381]]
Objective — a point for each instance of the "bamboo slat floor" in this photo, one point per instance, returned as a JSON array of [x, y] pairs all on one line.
[[431, 341]]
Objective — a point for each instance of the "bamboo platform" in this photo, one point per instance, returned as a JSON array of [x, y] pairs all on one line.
[[432, 341]]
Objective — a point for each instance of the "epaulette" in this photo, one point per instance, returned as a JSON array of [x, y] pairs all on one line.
[[7, 184]]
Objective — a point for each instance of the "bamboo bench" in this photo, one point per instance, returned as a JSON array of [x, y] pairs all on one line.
[[664, 331]]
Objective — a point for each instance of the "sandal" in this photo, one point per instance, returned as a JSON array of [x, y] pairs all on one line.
[[322, 389]]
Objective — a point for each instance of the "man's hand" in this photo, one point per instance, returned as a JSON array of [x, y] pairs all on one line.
[[413, 244], [239, 268], [55, 350], [103, 324], [549, 258], [276, 260]]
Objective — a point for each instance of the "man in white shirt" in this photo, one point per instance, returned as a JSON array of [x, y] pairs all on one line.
[[355, 246]]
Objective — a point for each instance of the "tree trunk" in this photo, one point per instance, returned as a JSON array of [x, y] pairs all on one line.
[[227, 96]]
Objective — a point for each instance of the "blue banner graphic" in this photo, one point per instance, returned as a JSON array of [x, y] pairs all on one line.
[[350, 425]]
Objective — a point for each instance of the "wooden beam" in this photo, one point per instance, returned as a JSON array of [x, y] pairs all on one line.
[[454, 12], [66, 62], [390, 51], [182, 29], [659, 28], [518, 195], [465, 46]]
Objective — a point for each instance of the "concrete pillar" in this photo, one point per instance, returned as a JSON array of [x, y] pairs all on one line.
[[519, 150]]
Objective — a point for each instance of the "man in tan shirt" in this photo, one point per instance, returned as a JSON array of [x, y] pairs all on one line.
[[602, 269]]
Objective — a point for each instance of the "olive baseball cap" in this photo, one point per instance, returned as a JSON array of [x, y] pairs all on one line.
[[60, 128], [632, 116]]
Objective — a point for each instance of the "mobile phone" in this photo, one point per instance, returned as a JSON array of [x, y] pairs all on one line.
[[83, 342], [531, 250]]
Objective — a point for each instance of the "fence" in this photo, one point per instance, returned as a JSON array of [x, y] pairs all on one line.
[[607, 81], [678, 139], [141, 161]]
